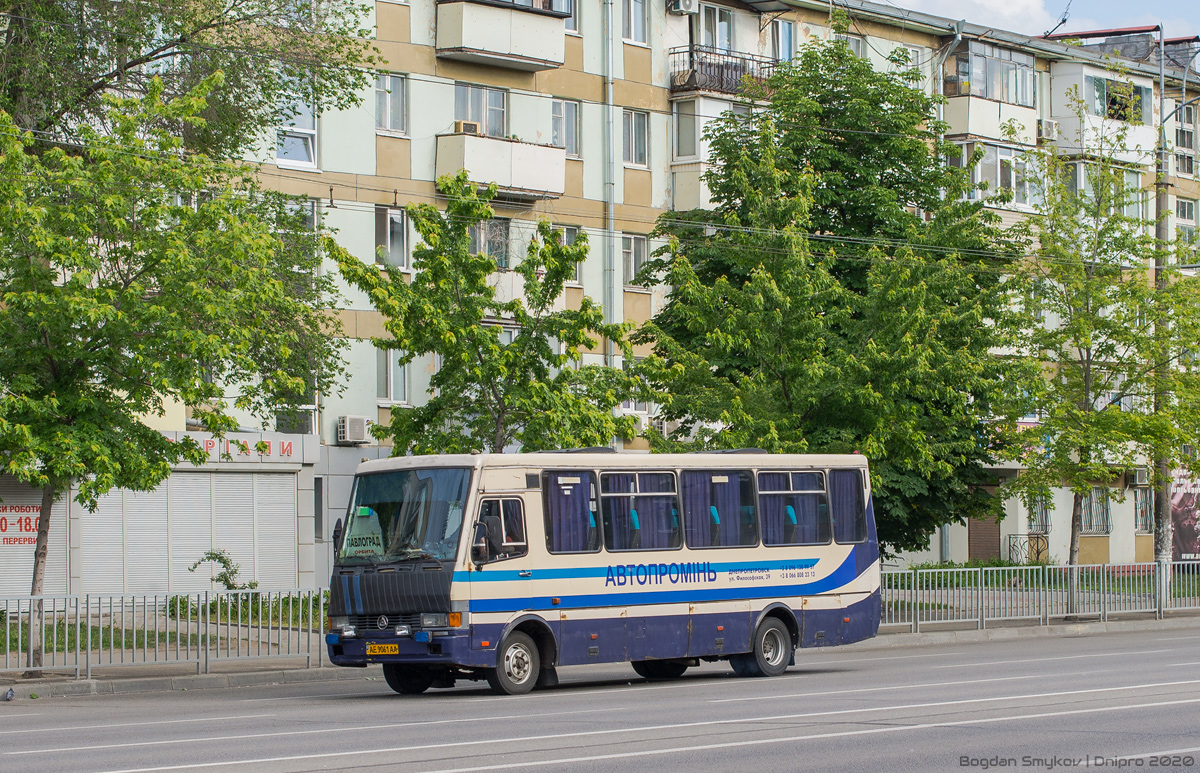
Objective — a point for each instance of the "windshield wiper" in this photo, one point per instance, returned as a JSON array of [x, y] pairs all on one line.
[[409, 553]]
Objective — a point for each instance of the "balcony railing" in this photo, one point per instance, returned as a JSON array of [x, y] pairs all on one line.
[[559, 8], [704, 68]]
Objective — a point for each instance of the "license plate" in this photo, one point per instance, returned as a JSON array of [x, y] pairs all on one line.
[[383, 649]]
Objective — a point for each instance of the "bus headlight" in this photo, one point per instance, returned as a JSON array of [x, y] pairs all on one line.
[[434, 620], [337, 623]]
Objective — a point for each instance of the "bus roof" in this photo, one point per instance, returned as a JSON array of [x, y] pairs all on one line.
[[590, 460]]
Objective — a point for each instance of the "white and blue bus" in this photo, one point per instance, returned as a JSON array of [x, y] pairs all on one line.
[[504, 566]]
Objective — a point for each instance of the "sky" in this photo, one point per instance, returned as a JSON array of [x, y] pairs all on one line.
[[1036, 17]]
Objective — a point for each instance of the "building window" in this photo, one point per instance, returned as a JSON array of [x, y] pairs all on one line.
[[1143, 510], [988, 71], [1096, 516], [634, 27], [565, 126], [300, 419], [685, 129], [389, 102], [391, 376], [636, 126], [1039, 516], [783, 45], [858, 46], [1119, 100], [716, 27], [391, 238], [633, 253], [1001, 168], [572, 22], [569, 234], [1185, 221], [483, 105], [491, 238], [297, 143], [1185, 141]]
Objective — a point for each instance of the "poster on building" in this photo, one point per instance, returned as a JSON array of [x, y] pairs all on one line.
[[20, 508], [1183, 519]]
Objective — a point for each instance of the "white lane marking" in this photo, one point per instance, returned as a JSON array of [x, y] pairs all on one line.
[[19, 716], [1193, 637], [130, 724], [1193, 663], [1064, 657], [1166, 753], [359, 694], [755, 742], [899, 687], [646, 728], [285, 733]]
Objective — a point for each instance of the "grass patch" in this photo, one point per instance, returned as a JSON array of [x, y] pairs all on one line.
[[61, 637]]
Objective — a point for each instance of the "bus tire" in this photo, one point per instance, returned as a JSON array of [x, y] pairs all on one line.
[[772, 650], [659, 669], [517, 665], [407, 680]]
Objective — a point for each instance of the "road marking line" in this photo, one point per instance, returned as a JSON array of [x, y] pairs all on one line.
[[732, 744], [313, 697], [899, 687], [131, 724], [610, 732], [1158, 754], [1193, 663], [1194, 637], [284, 733], [19, 716], [1064, 657]]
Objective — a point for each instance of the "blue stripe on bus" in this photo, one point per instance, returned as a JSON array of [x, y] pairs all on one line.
[[504, 575], [841, 576]]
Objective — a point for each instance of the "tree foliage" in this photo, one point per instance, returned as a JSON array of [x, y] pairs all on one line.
[[132, 276], [816, 310], [60, 57], [1117, 386], [487, 395]]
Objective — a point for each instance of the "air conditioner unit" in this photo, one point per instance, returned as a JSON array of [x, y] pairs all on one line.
[[682, 7], [467, 127], [1047, 129], [1141, 476], [353, 430]]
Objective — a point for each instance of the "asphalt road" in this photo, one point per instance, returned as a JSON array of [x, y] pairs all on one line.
[[1111, 701]]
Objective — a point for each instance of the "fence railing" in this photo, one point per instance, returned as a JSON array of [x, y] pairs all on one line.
[[77, 634], [706, 68], [991, 594]]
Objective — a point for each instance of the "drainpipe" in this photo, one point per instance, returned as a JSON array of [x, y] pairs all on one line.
[[610, 173], [938, 77]]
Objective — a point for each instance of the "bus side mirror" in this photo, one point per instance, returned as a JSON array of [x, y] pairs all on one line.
[[337, 536], [479, 547]]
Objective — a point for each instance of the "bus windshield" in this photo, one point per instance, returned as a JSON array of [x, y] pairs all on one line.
[[406, 514]]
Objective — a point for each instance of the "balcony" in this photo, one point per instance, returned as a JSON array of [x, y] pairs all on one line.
[[986, 118], [521, 170], [526, 36], [704, 68]]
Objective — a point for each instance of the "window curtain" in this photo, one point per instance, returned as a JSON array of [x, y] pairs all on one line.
[[658, 515], [619, 532], [570, 518], [846, 491], [773, 507], [705, 502]]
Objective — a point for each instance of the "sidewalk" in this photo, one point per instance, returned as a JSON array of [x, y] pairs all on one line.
[[168, 677]]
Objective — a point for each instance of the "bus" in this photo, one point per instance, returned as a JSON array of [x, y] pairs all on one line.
[[506, 566]]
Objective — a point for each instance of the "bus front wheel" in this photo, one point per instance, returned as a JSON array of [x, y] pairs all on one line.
[[407, 680], [771, 654], [517, 666]]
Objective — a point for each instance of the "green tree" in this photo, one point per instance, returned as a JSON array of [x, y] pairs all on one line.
[[60, 57], [487, 395], [815, 310], [1107, 337], [124, 290]]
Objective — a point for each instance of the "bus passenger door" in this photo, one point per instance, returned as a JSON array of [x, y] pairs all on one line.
[[719, 628]]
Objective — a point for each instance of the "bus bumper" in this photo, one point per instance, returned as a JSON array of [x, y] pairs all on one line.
[[451, 649]]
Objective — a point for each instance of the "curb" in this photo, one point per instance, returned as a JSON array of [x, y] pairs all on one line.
[[125, 685], [890, 639]]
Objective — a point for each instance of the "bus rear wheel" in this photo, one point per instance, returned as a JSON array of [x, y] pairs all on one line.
[[659, 669], [517, 666], [771, 654], [407, 680]]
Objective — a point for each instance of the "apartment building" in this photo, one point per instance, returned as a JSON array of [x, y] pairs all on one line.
[[589, 114]]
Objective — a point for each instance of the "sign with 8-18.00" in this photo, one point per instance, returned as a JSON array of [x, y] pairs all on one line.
[[17, 528]]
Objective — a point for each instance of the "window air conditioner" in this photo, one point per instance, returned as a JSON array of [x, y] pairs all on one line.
[[353, 430], [1141, 476], [1047, 129], [467, 127], [682, 7]]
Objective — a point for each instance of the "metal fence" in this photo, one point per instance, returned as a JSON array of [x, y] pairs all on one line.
[[991, 594], [77, 634]]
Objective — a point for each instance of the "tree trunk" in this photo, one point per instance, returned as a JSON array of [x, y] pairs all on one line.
[[37, 606], [1073, 552], [1164, 548]]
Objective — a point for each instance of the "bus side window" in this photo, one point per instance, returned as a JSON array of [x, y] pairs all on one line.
[[849, 510], [513, 519], [569, 498], [718, 508]]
